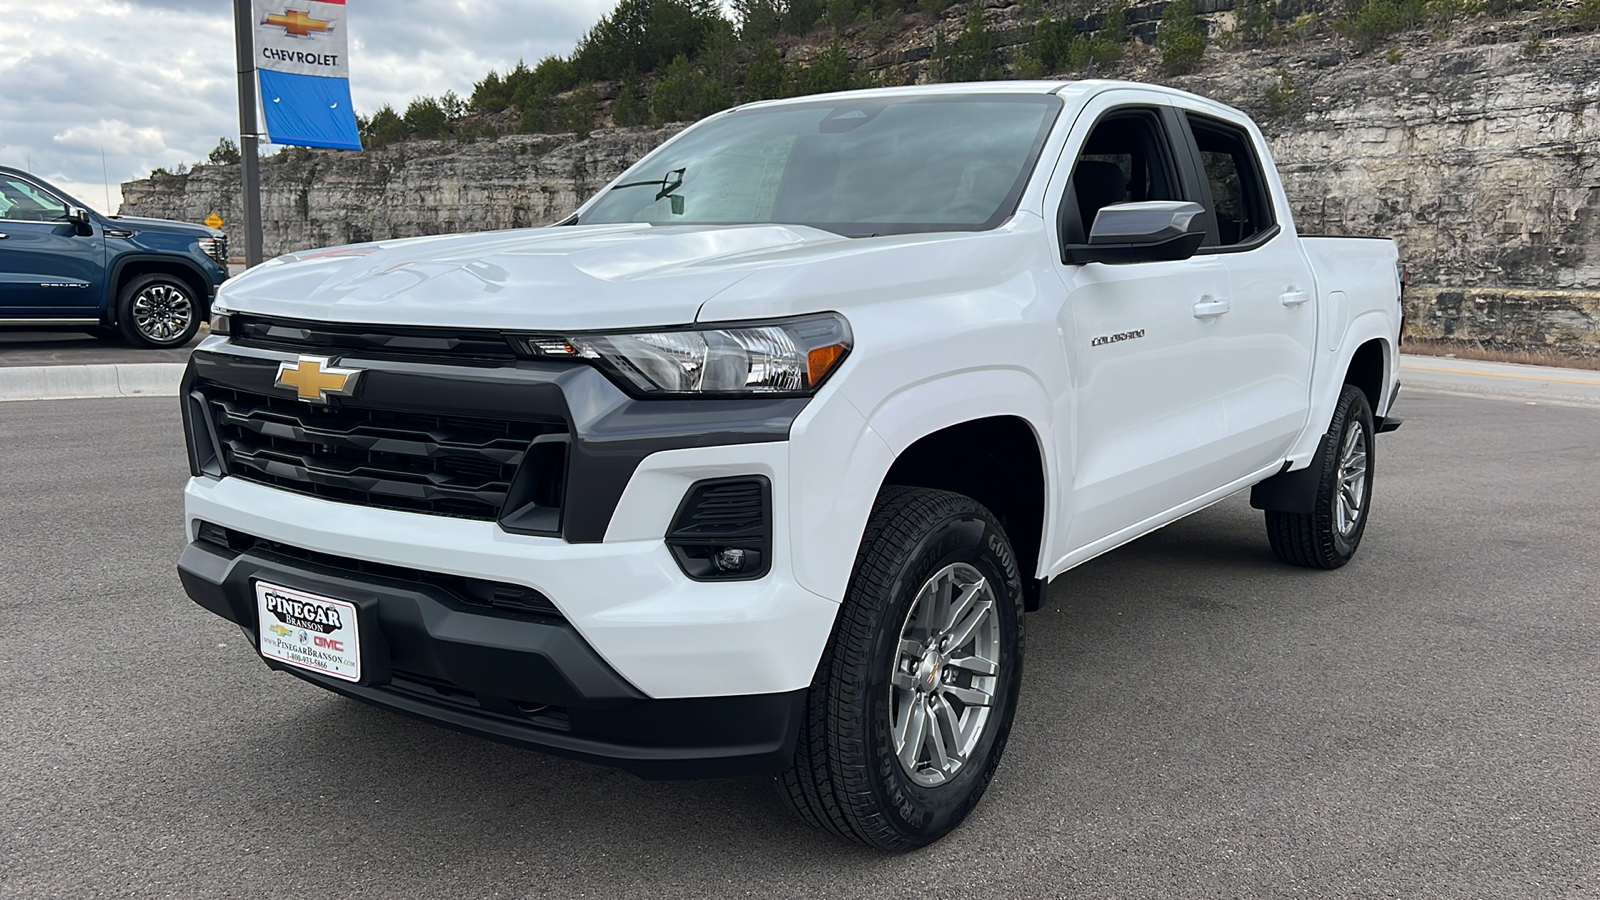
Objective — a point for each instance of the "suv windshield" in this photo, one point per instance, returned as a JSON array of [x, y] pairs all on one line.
[[857, 167]]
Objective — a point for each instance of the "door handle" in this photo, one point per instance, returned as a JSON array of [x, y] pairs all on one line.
[[4, 236], [1208, 308], [1294, 298]]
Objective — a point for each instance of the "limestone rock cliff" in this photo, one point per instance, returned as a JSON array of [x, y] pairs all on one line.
[[1478, 150]]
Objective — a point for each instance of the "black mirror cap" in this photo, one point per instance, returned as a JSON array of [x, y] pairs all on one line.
[[79, 217], [1152, 231]]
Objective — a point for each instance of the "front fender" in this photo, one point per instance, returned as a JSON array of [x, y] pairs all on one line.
[[840, 456]]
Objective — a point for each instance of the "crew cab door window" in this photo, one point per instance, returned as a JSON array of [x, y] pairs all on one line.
[[1239, 197]]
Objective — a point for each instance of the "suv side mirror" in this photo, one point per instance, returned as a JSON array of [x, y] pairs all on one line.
[[79, 217], [1152, 231]]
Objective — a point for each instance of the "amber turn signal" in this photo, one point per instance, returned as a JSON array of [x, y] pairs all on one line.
[[820, 362]]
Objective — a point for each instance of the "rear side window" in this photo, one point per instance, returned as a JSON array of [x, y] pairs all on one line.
[[1238, 187]]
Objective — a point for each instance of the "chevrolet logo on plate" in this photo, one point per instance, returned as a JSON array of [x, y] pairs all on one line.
[[279, 630], [314, 379]]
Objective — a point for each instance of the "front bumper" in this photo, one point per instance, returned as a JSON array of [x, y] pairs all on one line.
[[520, 678]]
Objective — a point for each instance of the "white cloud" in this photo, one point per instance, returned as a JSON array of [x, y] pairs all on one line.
[[151, 82]]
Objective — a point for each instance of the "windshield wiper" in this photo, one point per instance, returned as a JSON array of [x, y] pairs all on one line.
[[668, 185]]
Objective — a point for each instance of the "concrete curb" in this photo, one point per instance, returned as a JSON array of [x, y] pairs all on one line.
[[90, 381]]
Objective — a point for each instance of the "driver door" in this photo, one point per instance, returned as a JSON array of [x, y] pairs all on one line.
[[1149, 421], [47, 270]]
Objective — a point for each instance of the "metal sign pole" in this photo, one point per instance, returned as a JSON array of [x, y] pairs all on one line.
[[244, 41]]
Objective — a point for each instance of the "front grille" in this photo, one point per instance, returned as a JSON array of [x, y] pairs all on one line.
[[455, 466], [373, 341], [476, 592]]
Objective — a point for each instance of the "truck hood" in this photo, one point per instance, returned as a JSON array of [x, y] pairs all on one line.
[[138, 224], [590, 277]]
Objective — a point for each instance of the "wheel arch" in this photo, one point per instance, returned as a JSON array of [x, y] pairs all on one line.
[[845, 449], [133, 265], [997, 461]]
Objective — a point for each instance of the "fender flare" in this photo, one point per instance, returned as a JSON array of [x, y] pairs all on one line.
[[834, 521], [1295, 490]]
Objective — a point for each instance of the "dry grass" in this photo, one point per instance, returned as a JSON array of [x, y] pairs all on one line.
[[1491, 353]]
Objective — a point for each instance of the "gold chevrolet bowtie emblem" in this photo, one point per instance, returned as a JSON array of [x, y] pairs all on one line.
[[314, 379], [297, 22]]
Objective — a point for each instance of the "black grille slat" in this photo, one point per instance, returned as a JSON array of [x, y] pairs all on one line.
[[733, 507], [375, 341], [416, 462]]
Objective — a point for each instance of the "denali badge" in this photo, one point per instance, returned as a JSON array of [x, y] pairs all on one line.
[[314, 379], [1113, 338]]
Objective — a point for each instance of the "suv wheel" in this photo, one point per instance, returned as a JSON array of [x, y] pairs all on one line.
[[912, 703], [1327, 537], [158, 311]]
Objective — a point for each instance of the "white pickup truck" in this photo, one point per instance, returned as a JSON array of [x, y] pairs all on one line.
[[756, 462]]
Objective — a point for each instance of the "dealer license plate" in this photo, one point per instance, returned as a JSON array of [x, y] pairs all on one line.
[[309, 631]]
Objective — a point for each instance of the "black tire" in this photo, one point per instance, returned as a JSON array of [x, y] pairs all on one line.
[[847, 778], [158, 311], [1316, 539]]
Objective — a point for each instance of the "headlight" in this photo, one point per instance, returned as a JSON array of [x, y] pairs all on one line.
[[790, 356], [216, 248]]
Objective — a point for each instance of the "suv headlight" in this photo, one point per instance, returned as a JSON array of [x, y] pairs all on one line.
[[216, 248], [788, 356]]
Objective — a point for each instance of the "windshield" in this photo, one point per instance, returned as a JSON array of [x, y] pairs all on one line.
[[852, 166]]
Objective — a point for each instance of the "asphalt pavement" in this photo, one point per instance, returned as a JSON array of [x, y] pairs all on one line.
[[63, 348], [1197, 720]]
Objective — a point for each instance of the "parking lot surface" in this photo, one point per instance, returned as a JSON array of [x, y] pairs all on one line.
[[1197, 720], [64, 348]]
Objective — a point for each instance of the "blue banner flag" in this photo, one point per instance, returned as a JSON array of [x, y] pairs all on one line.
[[302, 58]]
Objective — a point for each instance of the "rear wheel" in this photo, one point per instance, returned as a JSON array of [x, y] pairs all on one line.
[[158, 311], [1327, 537], [913, 700]]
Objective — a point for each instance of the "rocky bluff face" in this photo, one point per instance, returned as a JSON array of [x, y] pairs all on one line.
[[1477, 156]]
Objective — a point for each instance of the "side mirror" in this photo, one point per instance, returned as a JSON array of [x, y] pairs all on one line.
[[1152, 231], [79, 217]]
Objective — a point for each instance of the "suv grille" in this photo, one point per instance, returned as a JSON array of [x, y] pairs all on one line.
[[415, 462]]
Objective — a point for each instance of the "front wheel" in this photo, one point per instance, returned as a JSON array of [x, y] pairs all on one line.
[[912, 702], [1327, 537], [158, 311]]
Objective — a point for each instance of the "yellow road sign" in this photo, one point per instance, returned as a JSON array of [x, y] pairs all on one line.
[[213, 221]]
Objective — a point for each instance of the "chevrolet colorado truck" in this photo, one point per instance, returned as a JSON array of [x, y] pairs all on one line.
[[756, 462], [64, 266]]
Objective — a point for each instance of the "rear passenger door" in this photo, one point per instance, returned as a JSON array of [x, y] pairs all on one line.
[[1265, 341]]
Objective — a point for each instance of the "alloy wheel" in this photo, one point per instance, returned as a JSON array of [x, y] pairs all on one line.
[[945, 676], [162, 312], [1352, 485]]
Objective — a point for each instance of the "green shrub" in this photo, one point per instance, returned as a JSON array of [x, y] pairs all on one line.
[[1181, 38], [685, 94], [426, 119], [763, 80], [1283, 96], [630, 107]]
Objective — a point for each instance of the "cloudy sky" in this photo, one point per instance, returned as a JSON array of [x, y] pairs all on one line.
[[152, 83]]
